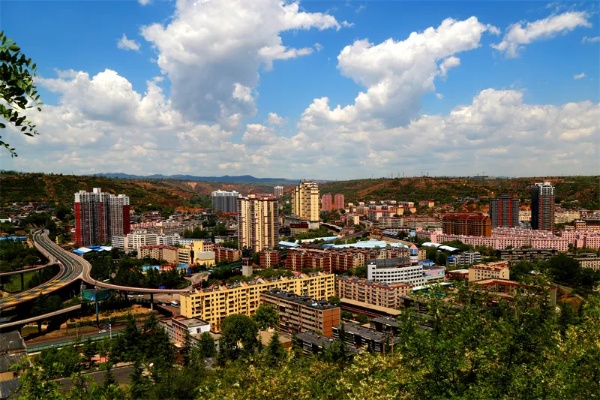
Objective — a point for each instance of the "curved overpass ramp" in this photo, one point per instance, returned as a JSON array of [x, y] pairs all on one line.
[[85, 269], [68, 273]]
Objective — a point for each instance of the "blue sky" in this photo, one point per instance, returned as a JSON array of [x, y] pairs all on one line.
[[315, 89]]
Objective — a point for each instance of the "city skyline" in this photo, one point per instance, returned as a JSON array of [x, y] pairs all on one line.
[[323, 89]]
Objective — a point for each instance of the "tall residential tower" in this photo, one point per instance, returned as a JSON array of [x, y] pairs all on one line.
[[100, 216], [504, 211], [224, 201], [542, 206], [305, 203], [258, 222]]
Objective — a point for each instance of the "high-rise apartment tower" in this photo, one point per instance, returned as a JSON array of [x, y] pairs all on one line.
[[542, 206], [224, 201], [338, 202], [305, 203], [258, 222], [100, 216], [504, 211], [326, 202]]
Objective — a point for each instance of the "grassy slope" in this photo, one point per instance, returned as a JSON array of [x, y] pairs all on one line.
[[585, 189], [171, 193]]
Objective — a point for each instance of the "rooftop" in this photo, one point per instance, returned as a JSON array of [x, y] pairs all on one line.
[[302, 300], [11, 341]]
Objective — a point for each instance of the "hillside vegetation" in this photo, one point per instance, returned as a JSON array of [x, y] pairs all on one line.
[[165, 193], [572, 191]]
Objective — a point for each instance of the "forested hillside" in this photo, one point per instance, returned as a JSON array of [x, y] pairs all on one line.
[[572, 191]]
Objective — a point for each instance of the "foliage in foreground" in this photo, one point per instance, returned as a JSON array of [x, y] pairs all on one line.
[[521, 349]]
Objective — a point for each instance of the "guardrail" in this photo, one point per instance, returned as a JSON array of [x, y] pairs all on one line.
[[71, 342]]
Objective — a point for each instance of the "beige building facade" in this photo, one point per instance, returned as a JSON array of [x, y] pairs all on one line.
[[258, 222], [494, 270], [217, 302], [306, 203]]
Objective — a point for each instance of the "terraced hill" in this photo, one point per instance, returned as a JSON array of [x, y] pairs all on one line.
[[571, 191]]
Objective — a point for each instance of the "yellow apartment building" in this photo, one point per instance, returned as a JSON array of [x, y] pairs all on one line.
[[494, 270], [215, 303]]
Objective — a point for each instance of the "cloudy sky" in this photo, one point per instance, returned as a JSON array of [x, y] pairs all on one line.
[[314, 89]]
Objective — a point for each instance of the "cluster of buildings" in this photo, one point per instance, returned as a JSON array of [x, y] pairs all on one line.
[[329, 203]]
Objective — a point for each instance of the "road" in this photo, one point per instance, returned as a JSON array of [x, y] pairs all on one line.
[[69, 272], [72, 268], [122, 375], [39, 317], [85, 268]]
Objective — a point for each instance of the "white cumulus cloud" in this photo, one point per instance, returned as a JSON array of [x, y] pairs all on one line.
[[274, 119], [128, 44], [579, 76], [210, 47], [594, 39], [522, 33], [397, 73]]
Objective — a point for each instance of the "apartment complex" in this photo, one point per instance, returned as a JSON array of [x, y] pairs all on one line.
[[305, 203], [226, 254], [326, 202], [463, 259], [469, 224], [159, 252], [371, 292], [358, 337], [504, 211], [542, 206], [392, 274], [278, 191], [100, 216], [339, 260], [215, 303], [495, 270], [269, 258], [134, 240], [302, 313], [258, 222], [224, 201], [338, 202]]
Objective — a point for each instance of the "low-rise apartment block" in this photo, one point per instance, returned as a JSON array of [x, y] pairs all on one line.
[[463, 259], [215, 303], [495, 270], [269, 258], [302, 313], [226, 254], [390, 274], [357, 337], [159, 252], [312, 343], [371, 292]]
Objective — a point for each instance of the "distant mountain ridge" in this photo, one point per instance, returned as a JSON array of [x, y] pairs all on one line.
[[224, 179]]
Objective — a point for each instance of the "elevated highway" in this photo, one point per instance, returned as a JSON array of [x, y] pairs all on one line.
[[42, 317], [69, 272], [72, 268], [85, 268]]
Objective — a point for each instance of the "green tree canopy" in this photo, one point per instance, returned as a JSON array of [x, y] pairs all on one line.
[[266, 316], [17, 89], [239, 337]]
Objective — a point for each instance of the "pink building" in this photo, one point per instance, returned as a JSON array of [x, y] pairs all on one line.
[[326, 202], [338, 202]]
